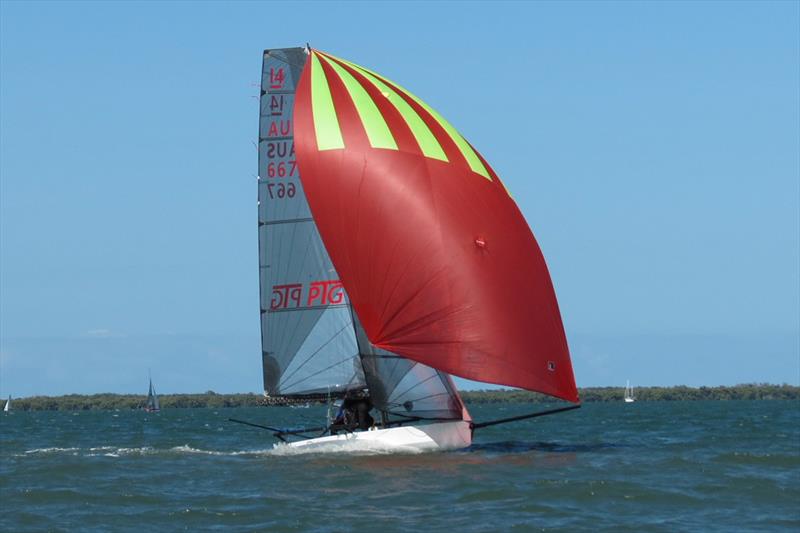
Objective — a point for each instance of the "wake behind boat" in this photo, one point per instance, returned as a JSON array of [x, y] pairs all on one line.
[[391, 256]]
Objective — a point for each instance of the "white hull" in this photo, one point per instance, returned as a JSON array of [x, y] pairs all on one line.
[[629, 400], [431, 437]]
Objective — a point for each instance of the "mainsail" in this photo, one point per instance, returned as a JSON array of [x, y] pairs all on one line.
[[307, 335], [435, 257], [312, 341]]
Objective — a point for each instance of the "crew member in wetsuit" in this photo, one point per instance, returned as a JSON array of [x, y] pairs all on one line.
[[363, 418], [354, 414]]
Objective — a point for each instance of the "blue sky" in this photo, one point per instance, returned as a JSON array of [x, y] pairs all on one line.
[[653, 148]]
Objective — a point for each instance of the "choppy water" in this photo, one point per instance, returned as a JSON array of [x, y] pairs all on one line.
[[646, 466]]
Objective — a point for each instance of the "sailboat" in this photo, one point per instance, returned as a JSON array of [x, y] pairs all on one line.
[[629, 398], [7, 407], [151, 404], [391, 258]]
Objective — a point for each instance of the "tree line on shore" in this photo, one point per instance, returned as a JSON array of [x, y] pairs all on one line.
[[749, 391], [109, 401]]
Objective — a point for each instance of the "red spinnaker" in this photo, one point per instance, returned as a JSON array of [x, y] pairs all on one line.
[[438, 261]]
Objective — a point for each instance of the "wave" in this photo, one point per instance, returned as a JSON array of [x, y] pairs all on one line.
[[117, 451], [758, 459], [190, 450], [114, 451], [554, 447], [349, 448], [50, 450]]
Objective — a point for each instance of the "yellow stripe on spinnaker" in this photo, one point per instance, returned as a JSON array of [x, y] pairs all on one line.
[[375, 125], [424, 136], [326, 125], [466, 150]]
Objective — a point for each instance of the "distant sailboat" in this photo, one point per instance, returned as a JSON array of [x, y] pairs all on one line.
[[629, 398], [7, 408], [152, 405]]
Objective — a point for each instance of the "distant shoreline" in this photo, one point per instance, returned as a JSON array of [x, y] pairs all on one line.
[[108, 401]]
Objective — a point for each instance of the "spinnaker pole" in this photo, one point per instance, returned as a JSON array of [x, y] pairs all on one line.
[[477, 425]]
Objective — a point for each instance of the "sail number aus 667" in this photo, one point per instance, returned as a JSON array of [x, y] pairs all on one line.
[[282, 169]]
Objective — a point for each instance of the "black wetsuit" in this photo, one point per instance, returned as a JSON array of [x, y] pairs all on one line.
[[363, 418], [354, 414]]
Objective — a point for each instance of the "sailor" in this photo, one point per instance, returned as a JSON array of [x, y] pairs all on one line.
[[354, 414], [342, 418], [365, 420]]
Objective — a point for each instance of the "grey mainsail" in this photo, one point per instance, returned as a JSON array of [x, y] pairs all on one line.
[[307, 336]]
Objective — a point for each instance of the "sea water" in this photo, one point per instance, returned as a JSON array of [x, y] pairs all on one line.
[[661, 466]]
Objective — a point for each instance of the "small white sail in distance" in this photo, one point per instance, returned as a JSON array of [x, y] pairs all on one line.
[[629, 398]]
